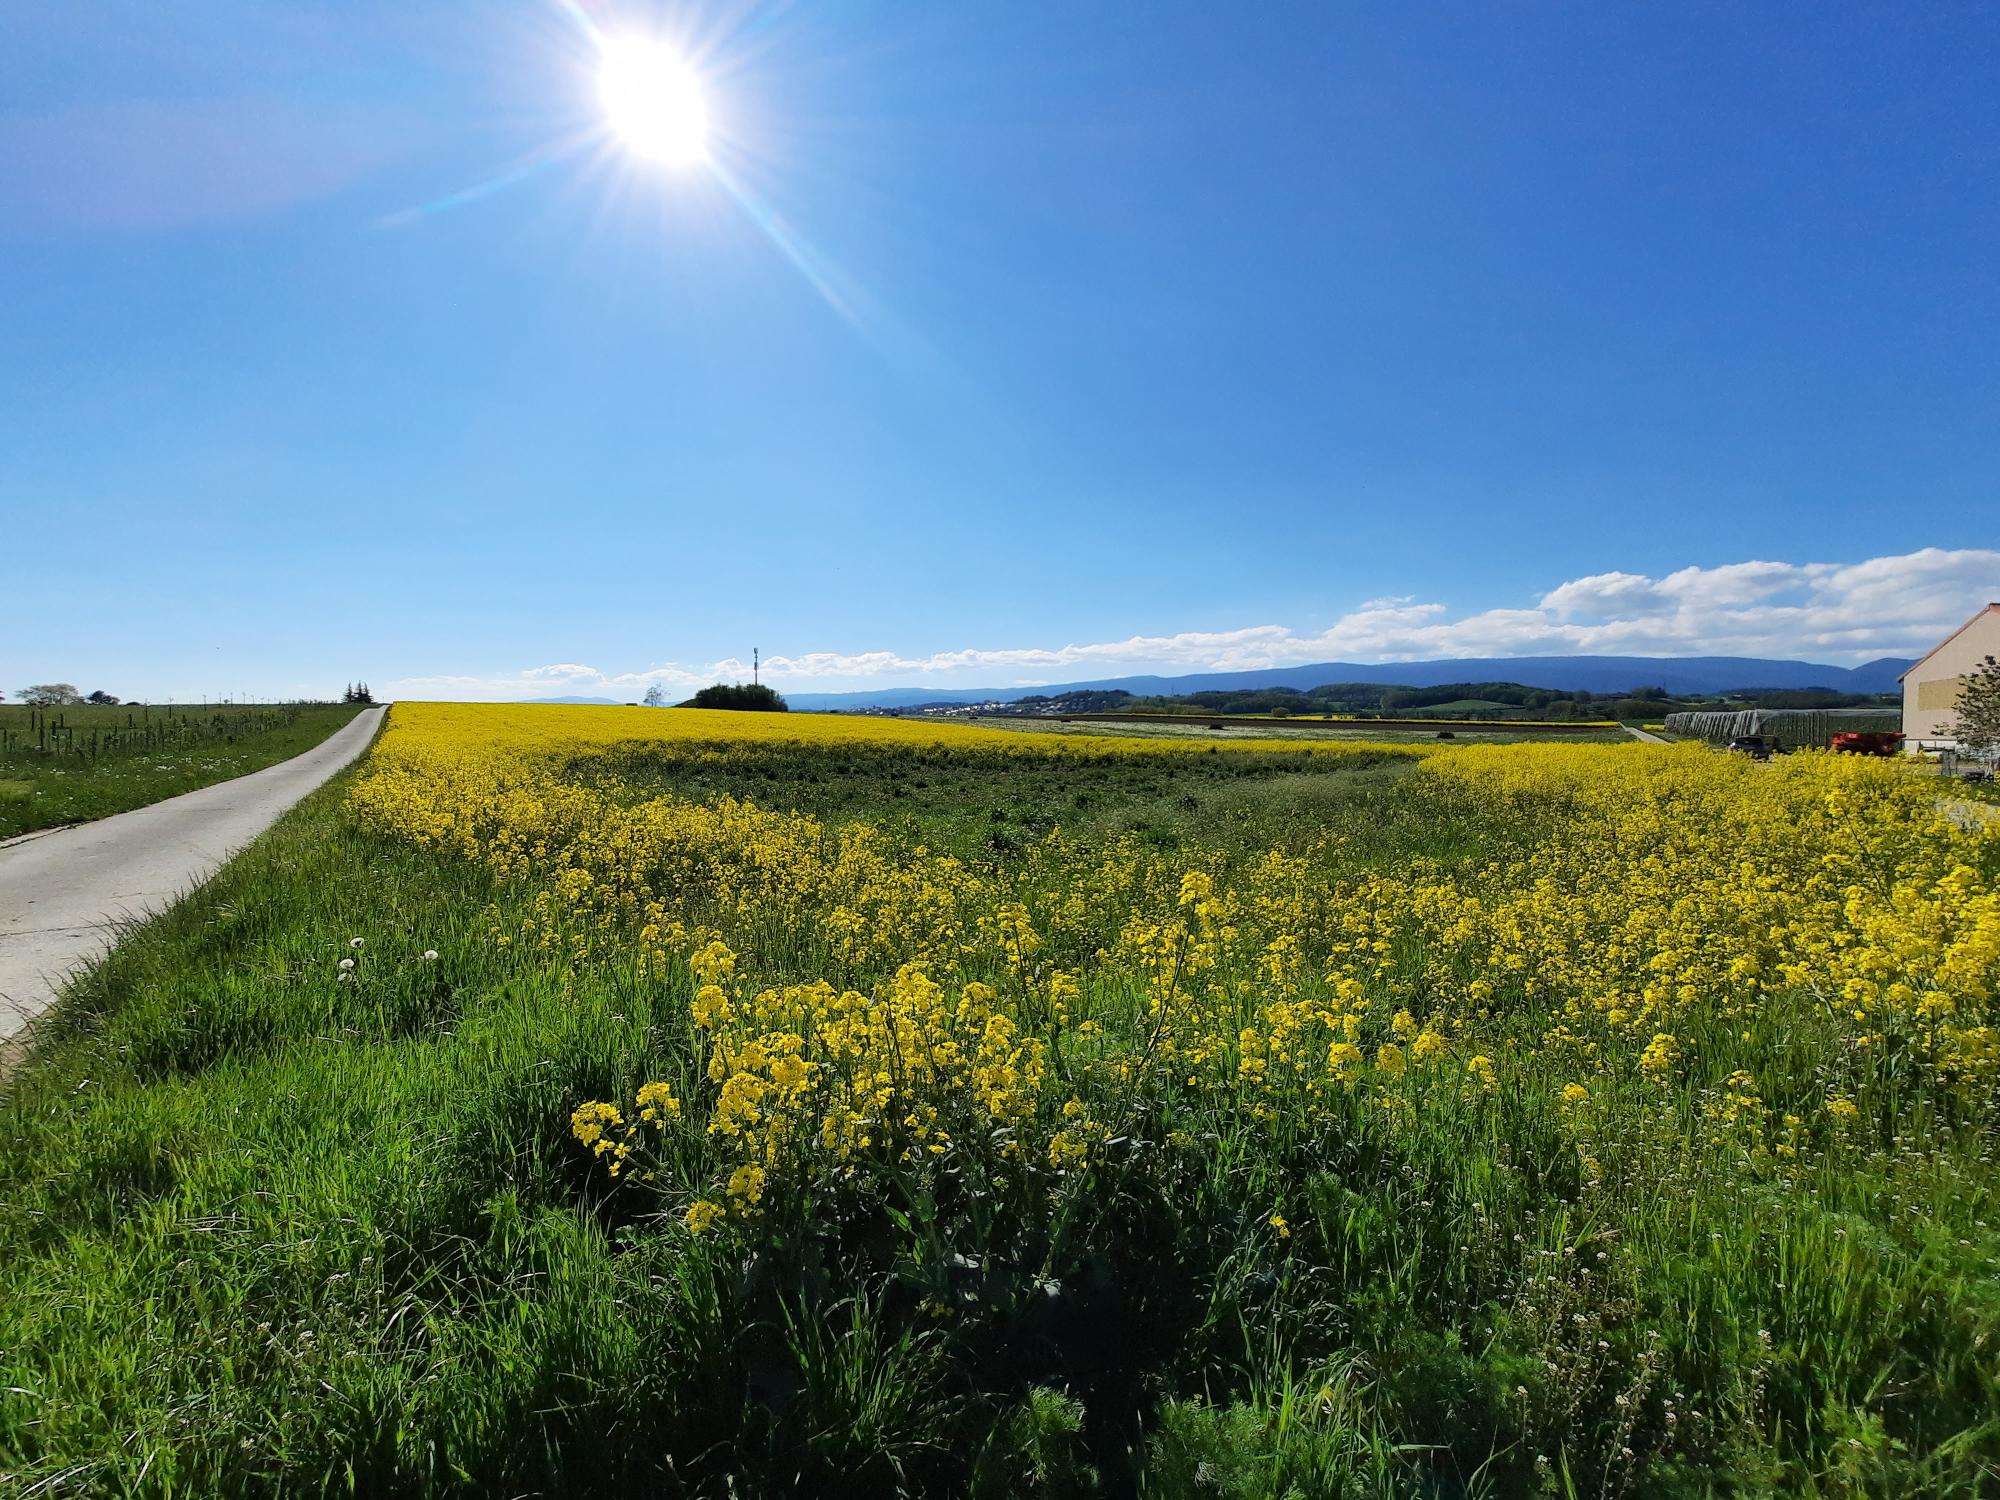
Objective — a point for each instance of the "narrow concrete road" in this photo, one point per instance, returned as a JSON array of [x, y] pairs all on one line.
[[1645, 734], [65, 893]]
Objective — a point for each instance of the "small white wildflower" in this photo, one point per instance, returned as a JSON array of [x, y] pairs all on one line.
[[430, 955]]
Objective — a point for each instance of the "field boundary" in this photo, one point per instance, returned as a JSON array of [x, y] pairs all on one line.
[[1303, 721], [67, 895]]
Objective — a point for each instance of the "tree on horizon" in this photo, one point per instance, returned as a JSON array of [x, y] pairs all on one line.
[[51, 695], [751, 697]]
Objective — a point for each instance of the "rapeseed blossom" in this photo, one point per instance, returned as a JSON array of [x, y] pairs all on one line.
[[1644, 903]]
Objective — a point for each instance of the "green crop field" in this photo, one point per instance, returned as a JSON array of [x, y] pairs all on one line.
[[1466, 706], [1357, 730], [71, 764], [580, 1101]]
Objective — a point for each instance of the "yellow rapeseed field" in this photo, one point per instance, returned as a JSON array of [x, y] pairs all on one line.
[[634, 1101], [862, 1000]]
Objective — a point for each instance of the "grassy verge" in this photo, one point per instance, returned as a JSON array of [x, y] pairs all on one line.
[[267, 1229], [99, 761]]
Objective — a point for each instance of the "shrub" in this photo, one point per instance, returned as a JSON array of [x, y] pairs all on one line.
[[752, 697]]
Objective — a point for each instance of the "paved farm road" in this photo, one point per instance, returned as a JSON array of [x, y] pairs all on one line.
[[65, 893]]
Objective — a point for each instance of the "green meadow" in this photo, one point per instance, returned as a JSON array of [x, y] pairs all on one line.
[[290, 1202], [84, 761]]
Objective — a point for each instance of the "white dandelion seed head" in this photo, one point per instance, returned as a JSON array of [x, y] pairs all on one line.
[[346, 964]]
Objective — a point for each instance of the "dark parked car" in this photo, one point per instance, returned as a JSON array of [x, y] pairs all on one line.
[[1753, 745]]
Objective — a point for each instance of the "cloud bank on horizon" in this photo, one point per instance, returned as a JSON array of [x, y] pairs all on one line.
[[1837, 613]]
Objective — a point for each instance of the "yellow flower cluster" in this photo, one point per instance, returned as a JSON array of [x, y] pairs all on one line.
[[604, 1128], [862, 998], [1668, 887]]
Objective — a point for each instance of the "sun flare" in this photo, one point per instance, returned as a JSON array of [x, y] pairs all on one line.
[[652, 101]]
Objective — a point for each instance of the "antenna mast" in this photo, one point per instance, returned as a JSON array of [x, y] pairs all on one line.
[[754, 661]]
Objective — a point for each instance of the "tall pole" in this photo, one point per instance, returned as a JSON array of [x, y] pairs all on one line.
[[754, 661]]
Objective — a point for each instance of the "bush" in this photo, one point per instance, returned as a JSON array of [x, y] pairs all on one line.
[[753, 698]]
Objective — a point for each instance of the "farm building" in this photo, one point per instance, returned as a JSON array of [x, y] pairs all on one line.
[[1932, 686]]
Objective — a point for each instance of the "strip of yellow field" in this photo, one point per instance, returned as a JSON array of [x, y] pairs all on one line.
[[559, 727]]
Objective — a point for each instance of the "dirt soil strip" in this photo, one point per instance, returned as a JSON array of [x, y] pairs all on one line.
[[67, 893]]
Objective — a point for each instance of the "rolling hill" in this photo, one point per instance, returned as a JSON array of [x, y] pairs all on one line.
[[1597, 674]]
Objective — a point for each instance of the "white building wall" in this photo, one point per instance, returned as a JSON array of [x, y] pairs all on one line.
[[1931, 688]]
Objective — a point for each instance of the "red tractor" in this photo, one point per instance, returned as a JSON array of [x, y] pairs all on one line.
[[1867, 741]]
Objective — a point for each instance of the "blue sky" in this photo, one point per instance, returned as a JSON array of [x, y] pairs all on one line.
[[1001, 342]]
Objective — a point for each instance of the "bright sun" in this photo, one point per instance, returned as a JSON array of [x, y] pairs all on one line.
[[652, 101]]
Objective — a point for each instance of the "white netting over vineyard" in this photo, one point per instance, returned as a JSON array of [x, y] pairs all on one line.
[[1788, 728]]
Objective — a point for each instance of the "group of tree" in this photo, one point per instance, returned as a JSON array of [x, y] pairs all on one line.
[[60, 695], [1976, 722], [1484, 700], [1498, 700], [1804, 698], [752, 697], [357, 692]]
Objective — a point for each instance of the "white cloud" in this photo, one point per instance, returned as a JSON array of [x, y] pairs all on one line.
[[1827, 612]]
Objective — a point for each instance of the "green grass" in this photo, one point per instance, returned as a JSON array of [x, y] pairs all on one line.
[[1465, 706], [69, 765], [264, 1231], [992, 805]]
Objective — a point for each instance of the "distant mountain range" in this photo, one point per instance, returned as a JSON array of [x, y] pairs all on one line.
[[1597, 674]]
